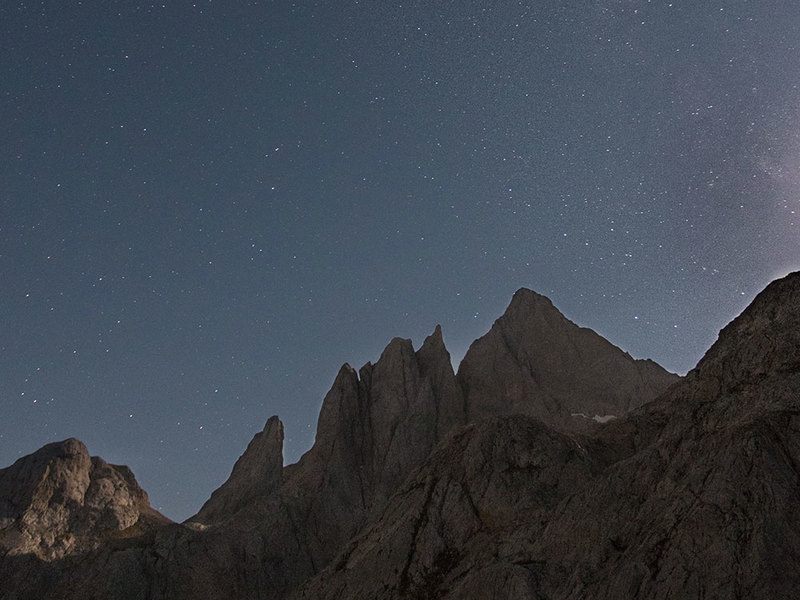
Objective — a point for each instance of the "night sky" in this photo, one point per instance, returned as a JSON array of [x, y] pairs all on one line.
[[205, 209]]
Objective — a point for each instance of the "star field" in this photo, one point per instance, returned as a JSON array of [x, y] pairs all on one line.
[[205, 208]]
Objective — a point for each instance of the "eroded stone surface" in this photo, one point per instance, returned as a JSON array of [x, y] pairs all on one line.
[[60, 500]]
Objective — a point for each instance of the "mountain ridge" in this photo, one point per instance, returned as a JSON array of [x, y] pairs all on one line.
[[426, 483], [699, 499]]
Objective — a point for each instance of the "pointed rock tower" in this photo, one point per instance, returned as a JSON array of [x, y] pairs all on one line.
[[257, 474]]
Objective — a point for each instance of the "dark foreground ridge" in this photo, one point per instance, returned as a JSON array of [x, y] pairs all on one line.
[[553, 465]]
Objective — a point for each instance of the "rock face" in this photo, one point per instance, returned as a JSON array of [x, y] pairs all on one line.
[[536, 362], [488, 480], [60, 500], [257, 474], [420, 483], [764, 341], [375, 426], [692, 496]]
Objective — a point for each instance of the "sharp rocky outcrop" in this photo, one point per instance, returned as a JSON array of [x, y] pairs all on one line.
[[257, 474], [59, 500]]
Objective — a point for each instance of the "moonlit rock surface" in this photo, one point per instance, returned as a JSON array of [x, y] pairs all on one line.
[[60, 500]]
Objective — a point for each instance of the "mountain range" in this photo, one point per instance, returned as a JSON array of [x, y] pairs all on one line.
[[551, 466]]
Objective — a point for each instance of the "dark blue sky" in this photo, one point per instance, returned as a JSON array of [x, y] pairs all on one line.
[[205, 209]]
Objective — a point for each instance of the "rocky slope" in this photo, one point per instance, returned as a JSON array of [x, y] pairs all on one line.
[[534, 361], [257, 474], [270, 528], [60, 500], [448, 520], [693, 496]]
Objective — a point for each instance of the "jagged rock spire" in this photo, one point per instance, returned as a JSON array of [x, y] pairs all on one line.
[[257, 474]]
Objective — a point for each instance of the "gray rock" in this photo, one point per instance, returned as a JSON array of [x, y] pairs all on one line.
[[535, 361], [487, 480], [257, 474], [375, 426], [59, 500]]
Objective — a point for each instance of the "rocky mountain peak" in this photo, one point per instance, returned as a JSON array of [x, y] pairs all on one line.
[[59, 499], [435, 341], [57, 473], [336, 408], [692, 496], [435, 365], [525, 299], [535, 361], [257, 474]]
